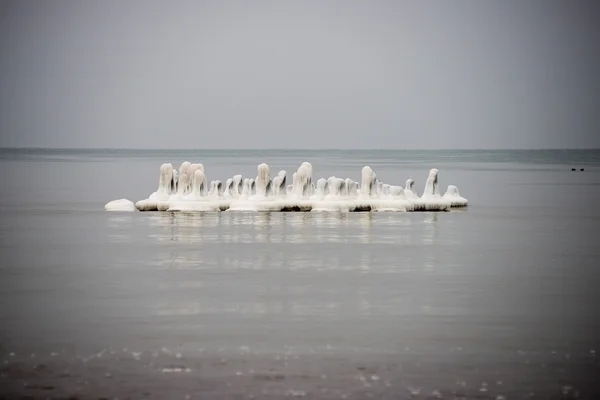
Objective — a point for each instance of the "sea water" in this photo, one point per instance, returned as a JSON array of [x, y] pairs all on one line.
[[495, 301]]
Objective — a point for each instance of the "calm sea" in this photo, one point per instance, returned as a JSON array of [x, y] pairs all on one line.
[[499, 301]]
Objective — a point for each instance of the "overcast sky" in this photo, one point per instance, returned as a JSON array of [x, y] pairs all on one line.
[[300, 74]]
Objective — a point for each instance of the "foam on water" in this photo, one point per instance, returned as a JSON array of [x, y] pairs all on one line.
[[188, 190]]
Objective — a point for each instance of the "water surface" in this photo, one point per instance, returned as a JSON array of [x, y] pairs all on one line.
[[497, 301]]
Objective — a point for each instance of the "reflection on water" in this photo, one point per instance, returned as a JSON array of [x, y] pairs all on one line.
[[431, 223], [430, 238], [288, 263], [231, 241], [119, 226], [386, 281], [299, 228]]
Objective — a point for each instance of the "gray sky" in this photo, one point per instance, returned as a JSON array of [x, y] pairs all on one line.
[[300, 74]]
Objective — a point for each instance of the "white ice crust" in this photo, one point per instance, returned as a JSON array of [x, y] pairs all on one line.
[[120, 205], [188, 189]]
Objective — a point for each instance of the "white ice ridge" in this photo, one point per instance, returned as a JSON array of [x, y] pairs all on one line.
[[188, 189]]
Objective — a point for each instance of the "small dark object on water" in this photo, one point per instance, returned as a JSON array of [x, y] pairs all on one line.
[[581, 169], [573, 169]]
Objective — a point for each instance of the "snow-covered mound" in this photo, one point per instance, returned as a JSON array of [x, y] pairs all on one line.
[[120, 205]]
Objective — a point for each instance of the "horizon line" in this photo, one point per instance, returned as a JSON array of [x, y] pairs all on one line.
[[296, 149]]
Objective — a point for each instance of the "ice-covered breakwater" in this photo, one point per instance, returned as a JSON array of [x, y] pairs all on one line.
[[188, 189]]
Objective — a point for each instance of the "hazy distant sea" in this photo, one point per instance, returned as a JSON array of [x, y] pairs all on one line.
[[499, 301]]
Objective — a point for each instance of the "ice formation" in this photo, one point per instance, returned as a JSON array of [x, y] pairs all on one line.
[[262, 182], [237, 185], [410, 190], [188, 189], [278, 184], [431, 200], [456, 200], [367, 187], [120, 205]]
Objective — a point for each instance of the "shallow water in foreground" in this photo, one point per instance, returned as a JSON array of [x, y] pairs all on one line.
[[497, 301]]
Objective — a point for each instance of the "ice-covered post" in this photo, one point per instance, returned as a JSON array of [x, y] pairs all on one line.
[[368, 182]]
